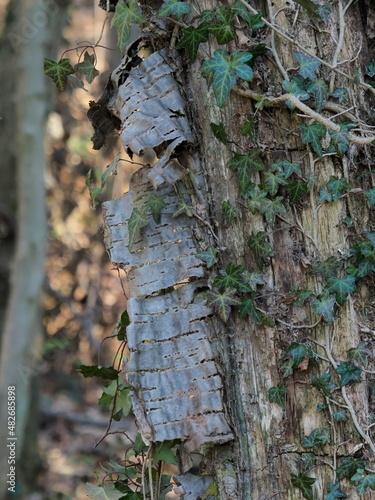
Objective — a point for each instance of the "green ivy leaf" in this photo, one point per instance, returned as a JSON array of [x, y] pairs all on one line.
[[173, 8], [277, 395], [248, 127], [106, 373], [334, 491], [302, 295], [308, 65], [230, 212], [105, 492], [122, 402], [321, 407], [371, 197], [256, 197], [340, 140], [254, 21], [223, 29], [219, 132], [183, 208], [323, 383], [318, 437], [298, 352], [360, 354], [207, 16], [324, 12], [136, 222], [340, 93], [245, 165], [253, 279], [327, 269], [348, 467], [287, 168], [261, 248], [303, 483], [87, 67], [209, 256], [341, 287], [232, 277], [155, 204], [313, 134], [297, 87], [320, 90], [349, 373], [122, 326], [222, 302], [163, 453], [311, 7], [371, 69], [225, 68], [58, 71], [296, 190], [364, 481], [270, 208], [249, 309], [340, 415], [323, 306], [192, 38], [139, 445], [273, 180], [126, 14], [324, 196]]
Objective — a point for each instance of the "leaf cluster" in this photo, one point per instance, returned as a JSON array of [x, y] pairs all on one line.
[[297, 353]]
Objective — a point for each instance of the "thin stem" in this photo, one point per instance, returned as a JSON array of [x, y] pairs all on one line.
[[339, 44]]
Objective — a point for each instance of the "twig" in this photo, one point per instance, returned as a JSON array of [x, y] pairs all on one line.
[[339, 44], [273, 49], [290, 325], [329, 124]]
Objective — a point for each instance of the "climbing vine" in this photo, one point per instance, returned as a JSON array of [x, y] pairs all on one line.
[[273, 191]]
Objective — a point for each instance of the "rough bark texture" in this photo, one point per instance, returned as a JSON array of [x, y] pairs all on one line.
[[267, 439]]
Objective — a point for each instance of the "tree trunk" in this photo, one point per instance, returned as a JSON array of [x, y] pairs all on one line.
[[272, 447]]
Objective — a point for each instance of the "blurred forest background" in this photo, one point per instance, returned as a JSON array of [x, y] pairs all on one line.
[[81, 295]]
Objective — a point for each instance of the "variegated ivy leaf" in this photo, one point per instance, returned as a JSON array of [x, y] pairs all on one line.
[[222, 302], [87, 67], [308, 65], [127, 13], [58, 71], [155, 204], [192, 38], [173, 8]]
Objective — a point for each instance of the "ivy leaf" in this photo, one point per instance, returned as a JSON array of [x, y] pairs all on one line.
[[308, 65], [303, 483], [324, 12], [122, 326], [254, 21], [277, 395], [273, 180], [340, 93], [287, 168], [302, 296], [318, 437], [341, 287], [340, 140], [320, 90], [371, 197], [340, 415], [219, 132], [192, 38], [334, 491], [123, 402], [321, 407], [105, 492], [248, 127], [257, 196], [323, 306], [232, 277], [311, 7], [183, 208], [249, 309], [348, 467], [222, 302], [360, 354], [313, 134], [270, 208], [298, 352], [87, 67], [323, 383], [253, 279], [296, 87], [207, 16], [261, 248], [126, 14], [230, 212], [209, 256], [245, 165], [58, 71], [348, 373], [327, 268], [296, 190], [364, 481], [223, 29], [163, 453], [173, 8], [324, 196], [106, 373], [155, 204], [371, 69], [225, 68], [137, 221]]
